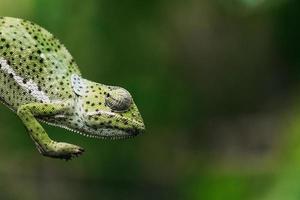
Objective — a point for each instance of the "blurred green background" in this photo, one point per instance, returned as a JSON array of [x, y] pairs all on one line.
[[217, 83]]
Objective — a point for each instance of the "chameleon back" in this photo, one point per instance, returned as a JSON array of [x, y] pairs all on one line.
[[35, 66]]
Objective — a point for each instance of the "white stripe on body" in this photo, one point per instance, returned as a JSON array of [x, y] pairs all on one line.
[[29, 85]]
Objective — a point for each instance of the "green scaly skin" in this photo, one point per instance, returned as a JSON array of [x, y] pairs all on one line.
[[41, 82]]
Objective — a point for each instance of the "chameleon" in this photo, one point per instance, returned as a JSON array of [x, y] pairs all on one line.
[[41, 82]]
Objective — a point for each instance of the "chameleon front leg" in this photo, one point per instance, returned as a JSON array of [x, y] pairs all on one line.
[[44, 144]]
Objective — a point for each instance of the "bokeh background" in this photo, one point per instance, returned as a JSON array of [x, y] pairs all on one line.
[[217, 83]]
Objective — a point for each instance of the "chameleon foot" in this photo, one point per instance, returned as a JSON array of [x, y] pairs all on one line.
[[61, 150]]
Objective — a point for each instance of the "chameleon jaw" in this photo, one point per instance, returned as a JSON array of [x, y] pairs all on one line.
[[111, 132], [128, 127]]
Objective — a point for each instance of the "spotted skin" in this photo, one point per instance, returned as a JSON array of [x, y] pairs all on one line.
[[41, 83]]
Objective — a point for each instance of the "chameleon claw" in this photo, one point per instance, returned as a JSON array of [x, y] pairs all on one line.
[[63, 151]]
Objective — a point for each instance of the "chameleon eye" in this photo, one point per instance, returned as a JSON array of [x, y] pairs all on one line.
[[119, 100]]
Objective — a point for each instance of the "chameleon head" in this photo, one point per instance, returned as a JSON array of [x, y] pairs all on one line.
[[106, 111]]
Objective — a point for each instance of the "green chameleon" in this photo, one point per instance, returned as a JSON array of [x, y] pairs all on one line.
[[41, 82]]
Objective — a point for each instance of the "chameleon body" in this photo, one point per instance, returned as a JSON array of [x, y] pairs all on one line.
[[40, 81]]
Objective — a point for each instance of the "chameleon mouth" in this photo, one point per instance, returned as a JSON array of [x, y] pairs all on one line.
[[112, 133], [135, 126]]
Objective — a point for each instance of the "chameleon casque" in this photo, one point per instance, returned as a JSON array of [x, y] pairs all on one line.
[[40, 81]]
